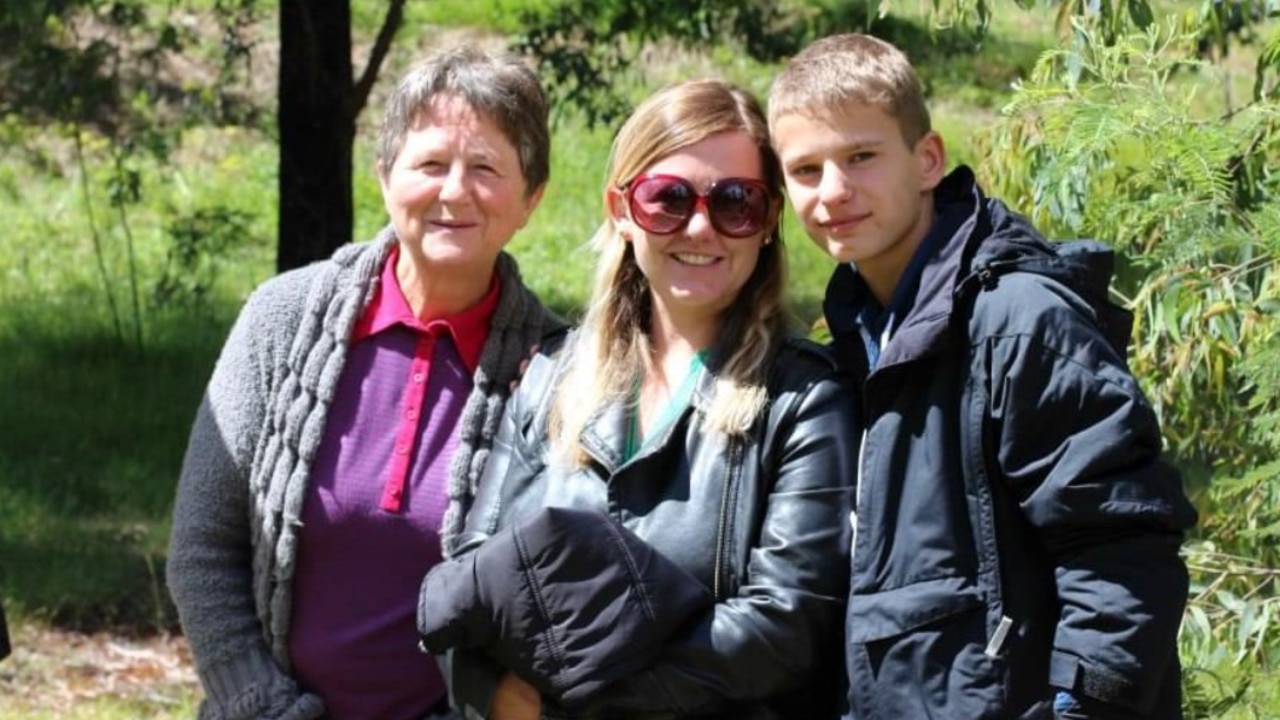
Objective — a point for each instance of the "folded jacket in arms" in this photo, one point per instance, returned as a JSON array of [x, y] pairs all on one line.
[[568, 599]]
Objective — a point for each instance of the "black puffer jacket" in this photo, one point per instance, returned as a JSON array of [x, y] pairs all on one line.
[[568, 598], [760, 520]]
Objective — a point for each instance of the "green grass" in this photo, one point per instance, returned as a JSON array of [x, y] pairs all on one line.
[[92, 427], [105, 708], [501, 16], [91, 434]]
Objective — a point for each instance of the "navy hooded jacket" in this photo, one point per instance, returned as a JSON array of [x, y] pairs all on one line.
[[1017, 531]]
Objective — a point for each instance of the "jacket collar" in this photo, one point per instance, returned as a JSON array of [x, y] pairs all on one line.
[[604, 436], [983, 229]]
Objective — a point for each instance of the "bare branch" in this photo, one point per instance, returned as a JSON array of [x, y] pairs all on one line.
[[386, 34]]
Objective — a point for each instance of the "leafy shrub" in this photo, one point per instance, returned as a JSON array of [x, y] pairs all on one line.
[[200, 244], [1107, 139]]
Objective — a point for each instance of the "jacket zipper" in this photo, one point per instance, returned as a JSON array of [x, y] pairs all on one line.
[[857, 497], [735, 456]]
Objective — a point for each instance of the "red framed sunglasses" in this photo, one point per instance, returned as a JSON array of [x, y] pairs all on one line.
[[664, 204]]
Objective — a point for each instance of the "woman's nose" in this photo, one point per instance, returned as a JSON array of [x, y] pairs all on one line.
[[455, 184], [699, 225]]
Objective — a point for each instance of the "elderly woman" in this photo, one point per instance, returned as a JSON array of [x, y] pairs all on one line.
[[716, 446], [351, 411]]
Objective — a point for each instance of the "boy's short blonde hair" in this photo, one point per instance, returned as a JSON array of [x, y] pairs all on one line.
[[839, 69]]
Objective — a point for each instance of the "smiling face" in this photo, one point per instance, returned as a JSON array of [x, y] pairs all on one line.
[[863, 194], [456, 193], [697, 272]]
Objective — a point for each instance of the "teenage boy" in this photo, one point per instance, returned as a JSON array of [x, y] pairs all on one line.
[[1015, 543]]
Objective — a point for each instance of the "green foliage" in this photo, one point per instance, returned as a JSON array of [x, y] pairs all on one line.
[[1208, 696], [1219, 24], [90, 439], [96, 73], [1231, 632], [200, 245], [1108, 142], [91, 428], [584, 49], [503, 16], [597, 58]]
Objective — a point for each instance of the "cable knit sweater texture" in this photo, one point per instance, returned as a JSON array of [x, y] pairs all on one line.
[[240, 495]]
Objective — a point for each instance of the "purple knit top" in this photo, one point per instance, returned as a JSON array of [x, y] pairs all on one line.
[[371, 517]]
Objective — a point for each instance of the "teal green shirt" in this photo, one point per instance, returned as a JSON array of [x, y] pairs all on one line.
[[679, 401]]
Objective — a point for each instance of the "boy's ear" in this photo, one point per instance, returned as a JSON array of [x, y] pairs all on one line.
[[931, 154]]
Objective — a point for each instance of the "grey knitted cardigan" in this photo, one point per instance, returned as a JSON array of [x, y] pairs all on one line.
[[240, 495]]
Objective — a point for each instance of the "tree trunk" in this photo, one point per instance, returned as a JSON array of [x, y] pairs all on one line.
[[317, 126], [4, 635]]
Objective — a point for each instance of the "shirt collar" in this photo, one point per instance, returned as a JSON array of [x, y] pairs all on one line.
[[389, 308], [877, 318]]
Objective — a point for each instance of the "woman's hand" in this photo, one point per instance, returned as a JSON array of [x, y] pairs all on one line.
[[516, 699]]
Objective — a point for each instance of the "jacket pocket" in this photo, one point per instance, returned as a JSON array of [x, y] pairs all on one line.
[[919, 652]]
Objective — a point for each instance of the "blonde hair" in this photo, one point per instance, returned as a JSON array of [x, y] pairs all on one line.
[[612, 351], [839, 69]]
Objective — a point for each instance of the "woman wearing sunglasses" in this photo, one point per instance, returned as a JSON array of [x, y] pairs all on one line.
[[683, 412]]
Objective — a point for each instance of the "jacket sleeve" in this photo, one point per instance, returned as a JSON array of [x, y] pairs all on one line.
[[209, 567], [784, 624], [1079, 447]]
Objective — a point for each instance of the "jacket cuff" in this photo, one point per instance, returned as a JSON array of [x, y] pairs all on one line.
[[1083, 680], [450, 611], [250, 687]]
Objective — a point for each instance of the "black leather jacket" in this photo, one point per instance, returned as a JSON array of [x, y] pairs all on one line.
[[761, 520]]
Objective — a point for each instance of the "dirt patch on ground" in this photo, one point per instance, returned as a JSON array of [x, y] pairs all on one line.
[[53, 671]]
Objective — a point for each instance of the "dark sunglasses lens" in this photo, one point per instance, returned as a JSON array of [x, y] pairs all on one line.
[[738, 209], [662, 205]]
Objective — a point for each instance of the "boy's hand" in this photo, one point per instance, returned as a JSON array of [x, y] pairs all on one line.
[[1069, 707]]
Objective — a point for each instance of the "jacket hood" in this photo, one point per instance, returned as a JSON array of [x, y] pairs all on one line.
[[1083, 266]]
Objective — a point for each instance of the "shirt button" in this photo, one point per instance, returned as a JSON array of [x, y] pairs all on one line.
[[417, 377], [411, 414], [401, 450]]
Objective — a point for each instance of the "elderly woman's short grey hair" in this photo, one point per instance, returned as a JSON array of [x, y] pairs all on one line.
[[500, 87]]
